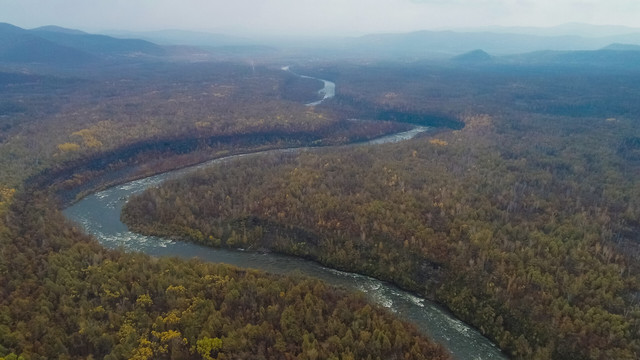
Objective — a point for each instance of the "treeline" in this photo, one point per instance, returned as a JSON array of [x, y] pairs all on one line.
[[524, 226], [64, 296]]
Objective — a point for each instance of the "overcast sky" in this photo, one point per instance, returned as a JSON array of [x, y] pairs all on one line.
[[313, 17]]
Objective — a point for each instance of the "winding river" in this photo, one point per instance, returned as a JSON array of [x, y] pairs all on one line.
[[99, 215]]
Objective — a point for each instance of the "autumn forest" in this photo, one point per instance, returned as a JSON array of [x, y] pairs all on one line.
[[518, 211]]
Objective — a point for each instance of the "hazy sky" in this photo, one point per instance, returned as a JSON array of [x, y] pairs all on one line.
[[319, 17]]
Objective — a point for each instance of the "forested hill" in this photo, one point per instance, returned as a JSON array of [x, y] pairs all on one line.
[[64, 47]]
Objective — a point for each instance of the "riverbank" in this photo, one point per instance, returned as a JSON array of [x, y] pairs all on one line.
[[461, 340], [99, 214]]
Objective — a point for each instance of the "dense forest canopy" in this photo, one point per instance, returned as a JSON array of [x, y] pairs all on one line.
[[146, 106], [519, 213], [64, 296], [523, 223]]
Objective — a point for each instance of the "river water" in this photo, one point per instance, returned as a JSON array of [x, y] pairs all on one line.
[[99, 215]]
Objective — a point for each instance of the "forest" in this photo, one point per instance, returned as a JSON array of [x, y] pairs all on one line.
[[137, 111], [518, 212], [523, 223], [64, 296], [96, 303]]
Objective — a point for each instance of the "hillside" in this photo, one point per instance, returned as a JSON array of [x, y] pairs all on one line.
[[100, 45], [475, 56], [66, 47], [22, 46]]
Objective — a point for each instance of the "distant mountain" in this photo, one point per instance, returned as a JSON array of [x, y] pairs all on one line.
[[409, 46], [183, 37], [61, 46], [622, 47], [100, 45], [596, 58], [569, 29], [589, 30], [53, 28], [475, 56], [55, 45], [448, 43], [22, 46]]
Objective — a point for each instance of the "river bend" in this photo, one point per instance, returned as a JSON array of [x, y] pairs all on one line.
[[99, 215]]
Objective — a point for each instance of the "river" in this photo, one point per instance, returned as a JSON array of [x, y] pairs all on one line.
[[99, 215]]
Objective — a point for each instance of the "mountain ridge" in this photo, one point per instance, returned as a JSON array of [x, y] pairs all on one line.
[[60, 46]]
